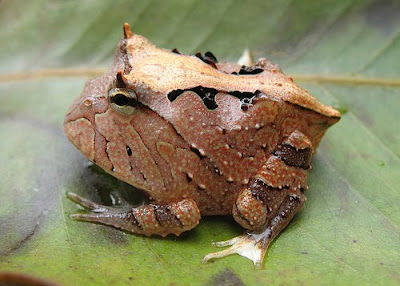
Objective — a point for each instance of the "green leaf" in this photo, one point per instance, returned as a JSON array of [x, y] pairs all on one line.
[[346, 53]]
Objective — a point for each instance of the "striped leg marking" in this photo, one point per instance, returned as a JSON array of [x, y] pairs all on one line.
[[146, 219], [270, 201]]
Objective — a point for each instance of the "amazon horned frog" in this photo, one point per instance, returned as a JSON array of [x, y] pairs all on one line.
[[199, 138]]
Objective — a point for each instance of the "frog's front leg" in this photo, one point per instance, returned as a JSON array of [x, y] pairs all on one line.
[[146, 219], [271, 199]]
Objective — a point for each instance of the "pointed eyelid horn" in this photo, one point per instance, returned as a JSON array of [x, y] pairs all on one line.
[[127, 31], [120, 80]]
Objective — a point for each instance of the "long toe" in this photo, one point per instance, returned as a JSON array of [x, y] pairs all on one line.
[[88, 204]]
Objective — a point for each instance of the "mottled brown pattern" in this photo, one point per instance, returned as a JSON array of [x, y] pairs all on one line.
[[199, 140]]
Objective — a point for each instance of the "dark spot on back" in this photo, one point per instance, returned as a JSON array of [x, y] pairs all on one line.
[[208, 58], [174, 94], [205, 93], [246, 98], [249, 70], [197, 152], [217, 171], [208, 96], [128, 151], [176, 51]]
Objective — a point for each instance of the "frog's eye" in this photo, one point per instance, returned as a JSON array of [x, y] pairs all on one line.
[[123, 100]]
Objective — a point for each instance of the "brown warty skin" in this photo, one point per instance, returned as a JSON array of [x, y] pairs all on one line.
[[199, 138]]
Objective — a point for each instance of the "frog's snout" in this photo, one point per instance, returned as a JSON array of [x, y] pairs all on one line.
[[78, 125], [81, 134]]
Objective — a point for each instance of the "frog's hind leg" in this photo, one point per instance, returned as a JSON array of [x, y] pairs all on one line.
[[271, 199], [146, 219], [254, 245]]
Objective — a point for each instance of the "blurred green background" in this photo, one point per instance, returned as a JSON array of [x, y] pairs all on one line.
[[346, 53]]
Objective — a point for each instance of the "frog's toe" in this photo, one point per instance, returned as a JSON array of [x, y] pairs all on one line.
[[254, 245], [113, 217], [87, 204], [245, 245], [227, 242]]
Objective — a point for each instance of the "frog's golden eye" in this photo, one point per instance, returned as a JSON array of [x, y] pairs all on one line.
[[123, 100]]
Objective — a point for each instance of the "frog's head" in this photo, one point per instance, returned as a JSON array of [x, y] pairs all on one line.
[[98, 123], [103, 97]]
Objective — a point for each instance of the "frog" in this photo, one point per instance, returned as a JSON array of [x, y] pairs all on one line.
[[198, 137]]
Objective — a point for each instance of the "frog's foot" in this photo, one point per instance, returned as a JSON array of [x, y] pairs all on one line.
[[146, 219], [254, 245], [251, 246]]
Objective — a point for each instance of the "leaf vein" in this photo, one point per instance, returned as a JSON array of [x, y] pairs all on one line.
[[379, 52], [93, 72]]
